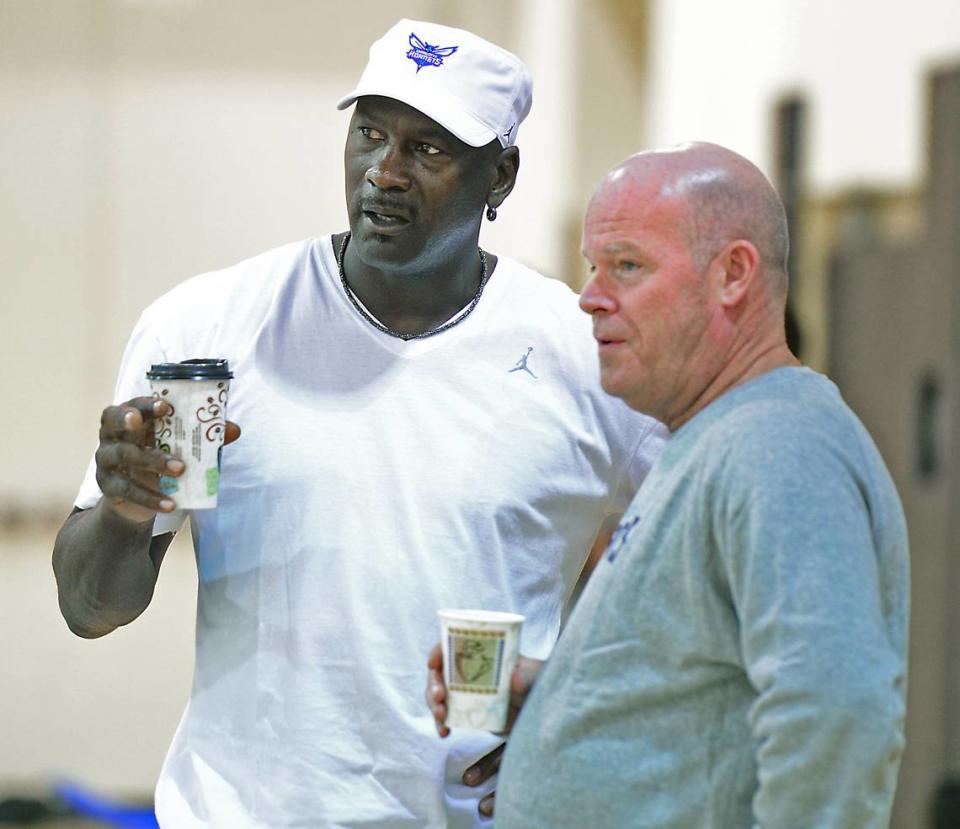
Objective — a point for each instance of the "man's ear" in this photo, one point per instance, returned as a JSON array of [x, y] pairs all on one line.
[[507, 165], [736, 268]]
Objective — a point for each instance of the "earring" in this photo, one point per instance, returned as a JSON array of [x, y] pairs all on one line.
[[492, 214]]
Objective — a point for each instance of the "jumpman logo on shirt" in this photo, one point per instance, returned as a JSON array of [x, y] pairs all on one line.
[[522, 364]]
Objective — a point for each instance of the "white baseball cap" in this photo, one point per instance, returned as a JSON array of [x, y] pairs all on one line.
[[468, 85]]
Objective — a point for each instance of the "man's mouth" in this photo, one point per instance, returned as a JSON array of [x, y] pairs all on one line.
[[605, 344], [384, 217]]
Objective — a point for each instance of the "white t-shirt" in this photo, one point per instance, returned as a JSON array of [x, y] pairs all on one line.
[[376, 481]]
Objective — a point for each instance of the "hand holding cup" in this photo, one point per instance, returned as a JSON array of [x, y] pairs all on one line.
[[128, 463], [522, 678], [524, 674], [138, 473]]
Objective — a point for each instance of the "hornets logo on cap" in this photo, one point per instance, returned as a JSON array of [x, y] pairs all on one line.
[[426, 54]]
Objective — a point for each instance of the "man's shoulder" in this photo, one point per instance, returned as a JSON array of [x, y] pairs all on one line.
[[236, 290], [793, 425], [222, 309], [549, 306], [549, 309], [553, 291], [772, 407], [242, 277]]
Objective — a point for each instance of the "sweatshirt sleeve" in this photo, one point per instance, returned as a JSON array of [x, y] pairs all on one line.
[[796, 531]]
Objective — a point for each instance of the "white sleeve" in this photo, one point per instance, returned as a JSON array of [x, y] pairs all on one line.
[[641, 456], [143, 350]]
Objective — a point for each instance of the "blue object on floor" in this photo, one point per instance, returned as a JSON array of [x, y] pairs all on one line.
[[90, 805]]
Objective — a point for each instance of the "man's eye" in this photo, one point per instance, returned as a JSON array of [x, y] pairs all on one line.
[[628, 266], [429, 149], [370, 132]]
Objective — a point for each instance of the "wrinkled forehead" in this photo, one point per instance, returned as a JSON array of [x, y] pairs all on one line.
[[628, 196], [636, 211]]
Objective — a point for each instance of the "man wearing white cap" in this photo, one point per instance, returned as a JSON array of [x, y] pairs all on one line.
[[423, 428]]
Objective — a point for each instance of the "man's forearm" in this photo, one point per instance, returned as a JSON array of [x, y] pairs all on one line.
[[105, 570], [834, 764]]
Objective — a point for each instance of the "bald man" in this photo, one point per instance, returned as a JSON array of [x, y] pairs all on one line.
[[739, 656]]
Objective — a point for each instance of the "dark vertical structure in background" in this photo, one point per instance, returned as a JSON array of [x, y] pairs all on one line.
[[943, 209], [790, 133], [894, 317]]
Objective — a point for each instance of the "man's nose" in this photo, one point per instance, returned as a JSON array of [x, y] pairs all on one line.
[[389, 171], [593, 298]]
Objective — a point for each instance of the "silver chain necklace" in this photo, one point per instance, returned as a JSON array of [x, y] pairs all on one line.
[[381, 327]]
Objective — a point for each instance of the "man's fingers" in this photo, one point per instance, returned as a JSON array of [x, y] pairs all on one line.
[[131, 491], [231, 431], [130, 420], [128, 462], [524, 675], [436, 693], [485, 767], [121, 492], [487, 804], [145, 479], [435, 659], [439, 715], [436, 688], [128, 475], [119, 456]]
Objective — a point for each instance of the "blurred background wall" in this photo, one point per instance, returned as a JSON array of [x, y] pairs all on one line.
[[144, 141]]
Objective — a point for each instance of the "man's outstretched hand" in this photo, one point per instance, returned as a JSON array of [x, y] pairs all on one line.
[[521, 681], [129, 464]]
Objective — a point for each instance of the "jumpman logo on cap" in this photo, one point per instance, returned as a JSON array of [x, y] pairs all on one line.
[[522, 364]]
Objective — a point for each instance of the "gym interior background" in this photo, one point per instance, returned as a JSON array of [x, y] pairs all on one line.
[[144, 141]]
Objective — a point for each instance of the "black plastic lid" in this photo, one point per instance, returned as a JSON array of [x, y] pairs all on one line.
[[196, 369]]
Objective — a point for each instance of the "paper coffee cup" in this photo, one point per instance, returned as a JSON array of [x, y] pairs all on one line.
[[479, 653], [196, 391]]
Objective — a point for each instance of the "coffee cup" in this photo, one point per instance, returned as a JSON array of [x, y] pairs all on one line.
[[193, 429], [480, 650]]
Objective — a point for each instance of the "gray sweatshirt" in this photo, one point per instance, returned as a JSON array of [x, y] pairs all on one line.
[[738, 658]]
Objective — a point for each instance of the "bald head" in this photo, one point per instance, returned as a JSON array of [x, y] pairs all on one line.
[[726, 197], [687, 250]]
